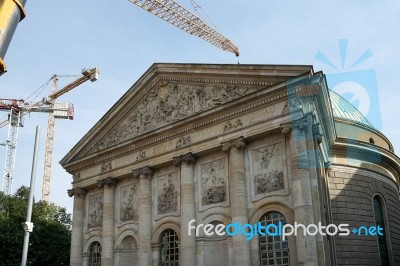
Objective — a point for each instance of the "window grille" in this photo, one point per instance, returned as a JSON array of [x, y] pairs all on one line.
[[273, 250], [169, 250], [95, 254]]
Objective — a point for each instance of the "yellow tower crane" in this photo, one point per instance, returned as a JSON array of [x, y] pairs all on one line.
[[88, 74]]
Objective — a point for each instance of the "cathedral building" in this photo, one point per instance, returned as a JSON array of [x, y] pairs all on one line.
[[197, 148]]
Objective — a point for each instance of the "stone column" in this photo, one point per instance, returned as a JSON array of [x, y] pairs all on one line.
[[301, 190], [145, 218], [237, 186], [77, 226], [108, 226], [188, 243]]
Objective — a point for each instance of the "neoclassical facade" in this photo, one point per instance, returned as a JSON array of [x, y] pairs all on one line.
[[223, 144]]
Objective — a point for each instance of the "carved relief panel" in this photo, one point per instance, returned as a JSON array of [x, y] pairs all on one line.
[[267, 170], [128, 203], [95, 210], [167, 103], [213, 183], [168, 196]]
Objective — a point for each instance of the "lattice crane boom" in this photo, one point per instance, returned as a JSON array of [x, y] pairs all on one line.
[[177, 15]]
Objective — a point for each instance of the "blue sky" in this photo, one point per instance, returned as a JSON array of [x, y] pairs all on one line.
[[123, 41]]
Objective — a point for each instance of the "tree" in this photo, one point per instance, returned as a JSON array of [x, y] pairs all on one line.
[[49, 243]]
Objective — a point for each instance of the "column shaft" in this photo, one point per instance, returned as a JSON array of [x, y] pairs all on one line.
[[145, 223], [188, 243], [77, 232], [107, 250], [237, 184], [302, 196]]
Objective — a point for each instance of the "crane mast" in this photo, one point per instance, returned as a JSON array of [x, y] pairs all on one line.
[[177, 15], [14, 119], [19, 108], [48, 153]]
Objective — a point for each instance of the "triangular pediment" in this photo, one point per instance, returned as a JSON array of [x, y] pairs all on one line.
[[169, 93]]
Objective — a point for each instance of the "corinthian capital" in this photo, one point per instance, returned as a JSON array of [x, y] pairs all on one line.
[[285, 129], [239, 144], [188, 158], [107, 181], [301, 123], [77, 191], [144, 171]]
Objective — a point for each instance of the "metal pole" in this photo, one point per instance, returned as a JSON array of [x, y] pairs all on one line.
[[28, 226]]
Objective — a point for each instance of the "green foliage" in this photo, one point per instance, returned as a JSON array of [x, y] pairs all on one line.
[[49, 243]]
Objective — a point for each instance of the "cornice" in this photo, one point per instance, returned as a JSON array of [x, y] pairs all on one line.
[[361, 150]]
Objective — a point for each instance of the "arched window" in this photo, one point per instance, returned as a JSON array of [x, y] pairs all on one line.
[[380, 221], [169, 250], [95, 254], [273, 250]]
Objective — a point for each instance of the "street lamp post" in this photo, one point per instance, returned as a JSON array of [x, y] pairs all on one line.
[[28, 225]]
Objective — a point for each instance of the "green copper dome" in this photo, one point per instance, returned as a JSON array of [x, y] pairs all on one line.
[[342, 109]]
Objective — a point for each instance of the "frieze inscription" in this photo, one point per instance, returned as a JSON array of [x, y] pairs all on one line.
[[231, 125], [106, 167], [141, 155], [183, 141]]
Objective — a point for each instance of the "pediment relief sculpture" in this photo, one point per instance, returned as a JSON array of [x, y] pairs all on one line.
[[167, 103]]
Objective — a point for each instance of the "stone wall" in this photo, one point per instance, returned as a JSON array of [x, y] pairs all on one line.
[[352, 202]]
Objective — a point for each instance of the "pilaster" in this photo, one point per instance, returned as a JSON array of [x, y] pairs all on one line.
[[108, 226], [301, 189], [145, 218], [237, 185], [188, 242], [77, 226]]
